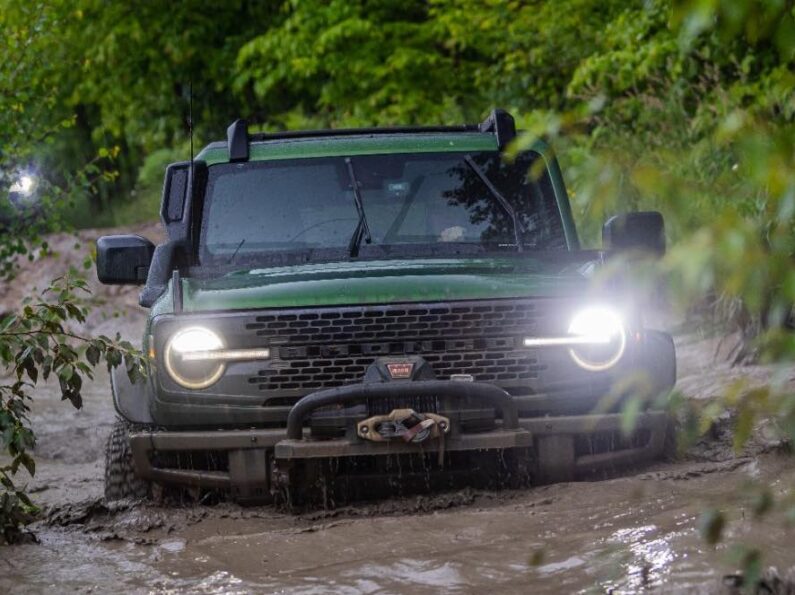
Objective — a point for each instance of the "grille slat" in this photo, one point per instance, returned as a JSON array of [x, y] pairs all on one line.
[[331, 347]]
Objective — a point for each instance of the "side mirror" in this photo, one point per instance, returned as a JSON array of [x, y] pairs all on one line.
[[643, 231], [124, 259], [175, 189]]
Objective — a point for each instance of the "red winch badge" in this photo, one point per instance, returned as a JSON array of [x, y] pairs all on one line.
[[398, 370]]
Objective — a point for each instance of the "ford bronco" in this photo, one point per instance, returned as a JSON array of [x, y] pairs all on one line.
[[346, 312]]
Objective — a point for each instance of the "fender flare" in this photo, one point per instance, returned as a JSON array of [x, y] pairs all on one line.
[[130, 400]]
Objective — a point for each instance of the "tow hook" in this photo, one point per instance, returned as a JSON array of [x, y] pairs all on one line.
[[404, 424]]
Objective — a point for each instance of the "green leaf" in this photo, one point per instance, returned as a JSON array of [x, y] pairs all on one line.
[[629, 415], [66, 372], [93, 354], [28, 462], [750, 560], [762, 502], [743, 425], [710, 526], [537, 557]]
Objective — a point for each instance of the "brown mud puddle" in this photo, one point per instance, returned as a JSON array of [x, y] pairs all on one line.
[[626, 534]]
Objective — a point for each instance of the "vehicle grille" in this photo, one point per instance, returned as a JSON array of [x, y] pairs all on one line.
[[385, 406], [324, 348]]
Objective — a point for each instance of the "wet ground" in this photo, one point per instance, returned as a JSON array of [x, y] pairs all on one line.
[[625, 533]]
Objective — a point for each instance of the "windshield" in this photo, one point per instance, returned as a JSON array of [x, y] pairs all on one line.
[[255, 209]]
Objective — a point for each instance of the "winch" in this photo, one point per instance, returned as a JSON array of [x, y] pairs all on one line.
[[403, 424]]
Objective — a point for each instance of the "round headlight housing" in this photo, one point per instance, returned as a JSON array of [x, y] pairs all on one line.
[[601, 337], [190, 372]]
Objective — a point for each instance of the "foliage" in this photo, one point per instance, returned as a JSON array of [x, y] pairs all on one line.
[[690, 109], [33, 123], [700, 127], [397, 62], [36, 344], [354, 61], [118, 75], [144, 203], [26, 104], [138, 61]]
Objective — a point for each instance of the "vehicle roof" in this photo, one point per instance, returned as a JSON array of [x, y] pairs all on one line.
[[329, 144]]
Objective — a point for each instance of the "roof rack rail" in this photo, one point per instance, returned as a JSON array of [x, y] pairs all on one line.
[[499, 122]]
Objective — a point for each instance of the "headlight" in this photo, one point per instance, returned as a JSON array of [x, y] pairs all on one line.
[[599, 338], [195, 357], [184, 367]]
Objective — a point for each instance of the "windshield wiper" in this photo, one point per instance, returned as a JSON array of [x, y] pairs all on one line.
[[362, 229], [518, 228], [239, 246]]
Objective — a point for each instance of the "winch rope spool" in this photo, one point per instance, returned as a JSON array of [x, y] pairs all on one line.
[[407, 425], [420, 429], [415, 427]]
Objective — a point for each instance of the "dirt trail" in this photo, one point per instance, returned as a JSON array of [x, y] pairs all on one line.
[[624, 533], [113, 308]]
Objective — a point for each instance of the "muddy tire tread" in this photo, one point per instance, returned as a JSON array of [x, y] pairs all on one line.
[[120, 479]]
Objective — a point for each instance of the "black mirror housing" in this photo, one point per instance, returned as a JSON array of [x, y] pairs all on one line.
[[175, 190], [642, 231], [123, 259]]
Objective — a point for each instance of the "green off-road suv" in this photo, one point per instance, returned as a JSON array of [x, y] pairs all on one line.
[[341, 313]]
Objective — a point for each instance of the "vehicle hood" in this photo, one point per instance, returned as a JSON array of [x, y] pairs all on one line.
[[381, 282]]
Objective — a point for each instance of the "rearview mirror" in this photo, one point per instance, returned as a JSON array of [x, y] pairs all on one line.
[[643, 231], [123, 259]]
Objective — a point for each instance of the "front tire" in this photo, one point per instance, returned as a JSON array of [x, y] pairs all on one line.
[[120, 479]]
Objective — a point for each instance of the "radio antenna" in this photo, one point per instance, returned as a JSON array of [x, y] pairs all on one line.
[[190, 124]]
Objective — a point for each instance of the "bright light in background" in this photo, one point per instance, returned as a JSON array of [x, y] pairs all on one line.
[[24, 185]]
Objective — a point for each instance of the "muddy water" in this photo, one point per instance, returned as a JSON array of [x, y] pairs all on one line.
[[567, 538], [624, 534]]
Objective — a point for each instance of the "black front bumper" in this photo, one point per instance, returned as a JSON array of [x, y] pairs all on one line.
[[252, 454]]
